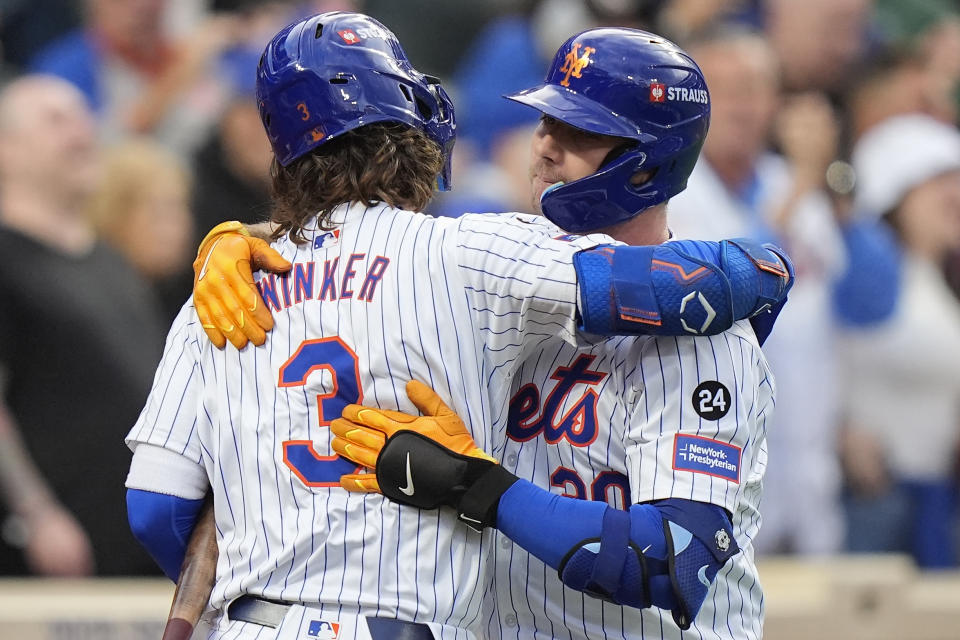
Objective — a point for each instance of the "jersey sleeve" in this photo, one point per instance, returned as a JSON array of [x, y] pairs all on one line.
[[172, 411], [519, 279], [698, 428]]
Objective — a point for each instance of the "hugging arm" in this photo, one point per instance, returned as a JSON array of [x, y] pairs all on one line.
[[678, 288], [664, 553]]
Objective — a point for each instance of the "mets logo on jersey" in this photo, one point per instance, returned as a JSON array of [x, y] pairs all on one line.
[[578, 424], [323, 630], [326, 239], [575, 62]]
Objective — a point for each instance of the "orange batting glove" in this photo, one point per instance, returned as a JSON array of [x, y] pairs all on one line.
[[227, 302], [362, 432]]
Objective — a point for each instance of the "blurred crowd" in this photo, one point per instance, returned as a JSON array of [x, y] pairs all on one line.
[[128, 128]]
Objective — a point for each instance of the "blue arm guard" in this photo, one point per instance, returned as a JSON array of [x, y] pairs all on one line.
[[664, 554], [162, 524], [680, 288]]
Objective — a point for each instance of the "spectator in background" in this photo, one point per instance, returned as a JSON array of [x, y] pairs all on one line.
[[889, 84], [26, 26], [818, 42], [80, 336], [749, 191], [919, 72], [902, 407], [930, 28], [142, 208], [940, 46], [232, 170], [135, 77], [918, 75]]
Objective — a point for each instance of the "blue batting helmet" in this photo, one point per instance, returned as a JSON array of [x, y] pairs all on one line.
[[633, 85], [337, 71]]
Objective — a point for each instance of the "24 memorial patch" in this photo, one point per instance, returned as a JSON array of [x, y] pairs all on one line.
[[711, 400]]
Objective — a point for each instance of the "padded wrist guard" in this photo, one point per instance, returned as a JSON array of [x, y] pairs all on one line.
[[414, 470]]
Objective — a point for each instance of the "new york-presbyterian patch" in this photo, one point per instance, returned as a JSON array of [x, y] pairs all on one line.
[[703, 455]]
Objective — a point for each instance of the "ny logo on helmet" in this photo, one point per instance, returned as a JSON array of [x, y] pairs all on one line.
[[573, 65]]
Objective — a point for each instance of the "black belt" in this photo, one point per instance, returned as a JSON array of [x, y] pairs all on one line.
[[270, 613]]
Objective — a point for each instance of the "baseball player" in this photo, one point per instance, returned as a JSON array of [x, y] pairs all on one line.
[[378, 295]]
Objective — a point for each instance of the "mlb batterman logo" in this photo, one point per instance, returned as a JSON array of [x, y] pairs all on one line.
[[321, 240], [574, 63], [658, 92], [323, 630]]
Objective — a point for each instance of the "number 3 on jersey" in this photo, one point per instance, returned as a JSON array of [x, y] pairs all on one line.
[[330, 354]]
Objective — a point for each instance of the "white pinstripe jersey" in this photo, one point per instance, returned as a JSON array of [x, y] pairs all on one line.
[[386, 297], [622, 421]]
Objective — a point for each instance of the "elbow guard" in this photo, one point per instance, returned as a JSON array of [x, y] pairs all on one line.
[[679, 288], [665, 554]]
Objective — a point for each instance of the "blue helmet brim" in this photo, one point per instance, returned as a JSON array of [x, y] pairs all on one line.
[[578, 111]]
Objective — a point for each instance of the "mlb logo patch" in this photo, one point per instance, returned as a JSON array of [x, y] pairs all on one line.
[[326, 239], [323, 630], [709, 457], [658, 92], [349, 36]]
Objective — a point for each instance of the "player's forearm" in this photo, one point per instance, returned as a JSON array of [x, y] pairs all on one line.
[[23, 488], [591, 546], [545, 524], [663, 554]]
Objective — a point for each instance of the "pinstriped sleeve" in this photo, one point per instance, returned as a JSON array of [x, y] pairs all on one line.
[[519, 280], [171, 414], [699, 426]]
